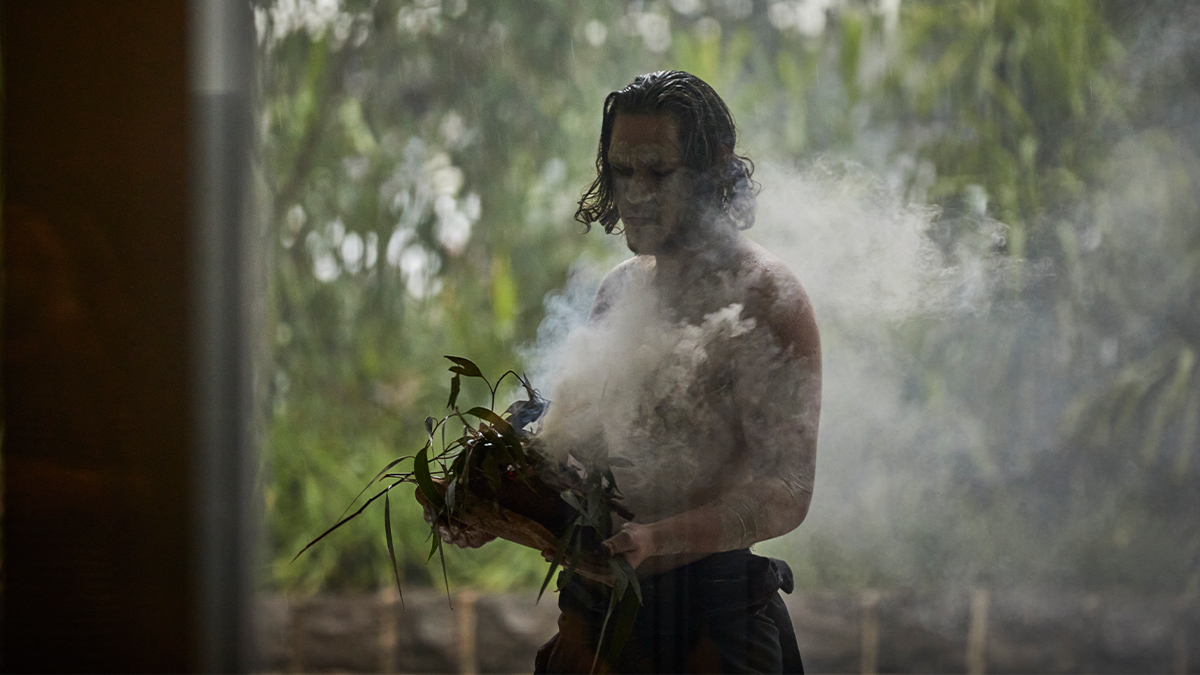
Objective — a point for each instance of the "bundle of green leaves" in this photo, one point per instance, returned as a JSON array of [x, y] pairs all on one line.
[[496, 476]]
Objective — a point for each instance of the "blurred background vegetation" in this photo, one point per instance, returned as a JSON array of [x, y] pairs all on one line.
[[420, 163]]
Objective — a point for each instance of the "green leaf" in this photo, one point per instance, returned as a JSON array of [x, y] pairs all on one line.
[[465, 367], [445, 577], [549, 576], [501, 425], [464, 472], [593, 505], [339, 523], [612, 603], [491, 470], [387, 528], [624, 607], [529, 390], [560, 551], [514, 452], [604, 524], [570, 498], [630, 575], [455, 387], [572, 565], [425, 479], [620, 580], [496, 446], [435, 544], [459, 463], [382, 473], [624, 618]]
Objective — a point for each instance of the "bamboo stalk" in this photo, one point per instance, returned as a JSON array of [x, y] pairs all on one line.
[[465, 609], [388, 637], [977, 632], [870, 632]]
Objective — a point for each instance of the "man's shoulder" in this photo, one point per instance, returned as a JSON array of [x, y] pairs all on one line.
[[769, 280], [775, 297], [635, 270], [619, 280], [637, 266]]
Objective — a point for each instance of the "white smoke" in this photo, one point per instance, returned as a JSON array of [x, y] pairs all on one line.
[[868, 263], [871, 267], [863, 252]]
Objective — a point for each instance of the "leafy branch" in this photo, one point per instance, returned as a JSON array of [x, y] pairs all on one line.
[[496, 477]]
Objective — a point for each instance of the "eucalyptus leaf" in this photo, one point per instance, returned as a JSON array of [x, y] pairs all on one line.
[[425, 480], [529, 390], [455, 387], [600, 644], [382, 473], [623, 619], [506, 430], [434, 545], [571, 543], [570, 498], [560, 551], [465, 367], [630, 575], [491, 470], [620, 580], [339, 523], [593, 507], [445, 577], [572, 565], [387, 528], [495, 447], [546, 581]]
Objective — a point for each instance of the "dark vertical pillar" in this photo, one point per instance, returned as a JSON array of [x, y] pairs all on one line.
[[110, 445], [225, 310]]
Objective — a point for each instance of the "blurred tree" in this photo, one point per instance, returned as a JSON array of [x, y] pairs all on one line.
[[421, 161], [413, 155]]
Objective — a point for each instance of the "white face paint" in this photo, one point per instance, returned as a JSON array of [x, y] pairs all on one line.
[[652, 187]]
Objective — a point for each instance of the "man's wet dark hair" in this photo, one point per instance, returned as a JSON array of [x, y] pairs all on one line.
[[707, 136]]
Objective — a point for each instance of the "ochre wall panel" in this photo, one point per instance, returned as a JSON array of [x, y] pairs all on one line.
[[95, 161]]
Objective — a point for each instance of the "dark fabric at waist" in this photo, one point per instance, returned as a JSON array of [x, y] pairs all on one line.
[[722, 583]]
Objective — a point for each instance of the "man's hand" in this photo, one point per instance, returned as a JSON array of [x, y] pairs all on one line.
[[585, 568], [634, 540], [453, 531]]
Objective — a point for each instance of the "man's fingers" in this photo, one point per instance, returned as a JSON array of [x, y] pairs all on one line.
[[618, 543], [477, 538], [452, 530]]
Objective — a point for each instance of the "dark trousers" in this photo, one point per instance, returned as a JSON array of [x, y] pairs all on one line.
[[721, 614]]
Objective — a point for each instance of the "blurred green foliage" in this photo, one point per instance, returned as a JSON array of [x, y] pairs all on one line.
[[421, 162]]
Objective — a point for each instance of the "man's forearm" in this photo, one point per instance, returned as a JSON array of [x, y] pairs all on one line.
[[756, 512]]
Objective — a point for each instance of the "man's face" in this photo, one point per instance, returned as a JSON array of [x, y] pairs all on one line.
[[652, 187]]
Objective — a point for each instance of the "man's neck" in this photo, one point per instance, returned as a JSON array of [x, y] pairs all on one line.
[[681, 264]]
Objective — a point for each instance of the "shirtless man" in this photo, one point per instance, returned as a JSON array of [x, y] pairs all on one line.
[[700, 369]]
